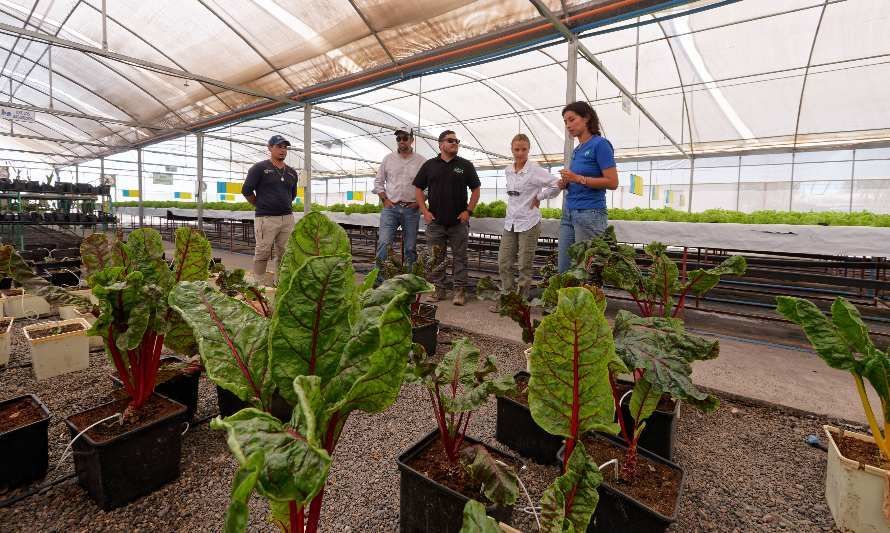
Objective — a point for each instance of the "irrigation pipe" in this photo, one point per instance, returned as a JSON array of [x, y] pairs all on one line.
[[531, 509]]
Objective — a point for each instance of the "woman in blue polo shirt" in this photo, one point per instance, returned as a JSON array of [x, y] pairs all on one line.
[[591, 172]]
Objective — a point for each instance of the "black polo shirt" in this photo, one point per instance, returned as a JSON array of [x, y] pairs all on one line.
[[446, 184], [275, 189]]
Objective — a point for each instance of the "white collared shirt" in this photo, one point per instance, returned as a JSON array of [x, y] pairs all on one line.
[[530, 182], [396, 176]]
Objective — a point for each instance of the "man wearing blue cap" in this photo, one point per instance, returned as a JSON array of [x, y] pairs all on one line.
[[271, 187]]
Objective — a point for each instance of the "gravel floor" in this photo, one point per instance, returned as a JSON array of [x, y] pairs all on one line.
[[747, 467]]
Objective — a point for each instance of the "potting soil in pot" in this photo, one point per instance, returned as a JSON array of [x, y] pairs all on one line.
[[863, 452], [54, 330], [655, 485], [18, 414], [434, 464], [155, 408]]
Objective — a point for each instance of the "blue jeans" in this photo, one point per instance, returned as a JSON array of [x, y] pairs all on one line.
[[579, 225], [390, 220]]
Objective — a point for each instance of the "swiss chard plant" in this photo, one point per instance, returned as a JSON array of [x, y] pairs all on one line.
[[843, 342], [429, 262], [605, 260], [660, 352], [235, 283], [330, 347], [568, 395], [131, 281], [457, 386]]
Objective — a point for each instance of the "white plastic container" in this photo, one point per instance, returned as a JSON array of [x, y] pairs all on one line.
[[58, 354], [25, 306], [67, 312], [5, 337], [856, 493]]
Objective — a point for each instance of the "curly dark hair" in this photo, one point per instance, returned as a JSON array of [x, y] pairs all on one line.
[[583, 110]]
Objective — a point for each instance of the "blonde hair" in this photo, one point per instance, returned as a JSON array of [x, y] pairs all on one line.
[[521, 137]]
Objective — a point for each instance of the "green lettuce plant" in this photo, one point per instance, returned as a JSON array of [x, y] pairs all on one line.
[[330, 347], [843, 342], [131, 281], [457, 386], [568, 395]]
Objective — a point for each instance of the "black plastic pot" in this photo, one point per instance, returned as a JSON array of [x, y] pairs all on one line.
[[516, 429], [230, 404], [182, 388], [426, 335], [119, 470], [64, 278], [24, 451], [617, 511], [660, 434], [426, 506]]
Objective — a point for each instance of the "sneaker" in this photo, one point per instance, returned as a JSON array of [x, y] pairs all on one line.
[[459, 296], [439, 295]]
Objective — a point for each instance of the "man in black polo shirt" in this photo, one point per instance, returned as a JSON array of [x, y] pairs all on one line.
[[271, 187], [446, 178]]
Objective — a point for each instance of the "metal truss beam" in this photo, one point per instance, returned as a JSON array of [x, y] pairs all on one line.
[[591, 58]]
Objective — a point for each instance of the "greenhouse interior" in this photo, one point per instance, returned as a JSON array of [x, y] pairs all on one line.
[[450, 267]]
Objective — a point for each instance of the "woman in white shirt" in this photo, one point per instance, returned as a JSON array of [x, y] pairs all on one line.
[[527, 185]]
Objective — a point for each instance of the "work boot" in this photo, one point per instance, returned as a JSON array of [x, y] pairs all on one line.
[[459, 296], [439, 295]]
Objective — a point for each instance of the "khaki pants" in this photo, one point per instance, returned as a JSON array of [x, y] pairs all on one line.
[[521, 244], [272, 234]]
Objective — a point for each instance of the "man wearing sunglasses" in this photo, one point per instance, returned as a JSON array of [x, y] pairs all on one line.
[[271, 187], [446, 178], [394, 187]]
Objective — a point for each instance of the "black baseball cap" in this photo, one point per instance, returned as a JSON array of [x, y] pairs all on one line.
[[275, 140], [404, 131]]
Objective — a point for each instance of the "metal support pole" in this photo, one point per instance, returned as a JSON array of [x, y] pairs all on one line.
[[104, 26], [651, 185], [50, 60], [852, 180], [199, 196], [691, 176], [307, 156], [76, 173], [326, 199], [139, 179], [738, 186], [791, 188], [571, 96]]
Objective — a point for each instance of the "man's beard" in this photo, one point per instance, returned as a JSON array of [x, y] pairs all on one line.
[[403, 150]]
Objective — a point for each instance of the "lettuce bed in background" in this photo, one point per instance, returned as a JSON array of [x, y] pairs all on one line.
[[498, 208]]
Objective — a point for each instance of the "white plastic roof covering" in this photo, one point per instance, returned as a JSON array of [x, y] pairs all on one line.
[[752, 75]]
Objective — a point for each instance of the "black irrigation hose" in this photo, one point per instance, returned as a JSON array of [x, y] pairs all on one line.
[[46, 486], [36, 490]]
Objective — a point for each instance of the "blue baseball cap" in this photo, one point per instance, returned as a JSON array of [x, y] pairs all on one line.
[[275, 140]]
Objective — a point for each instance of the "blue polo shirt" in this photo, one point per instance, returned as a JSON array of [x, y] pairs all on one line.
[[589, 159]]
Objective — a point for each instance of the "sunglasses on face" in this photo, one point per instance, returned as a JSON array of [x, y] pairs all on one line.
[[513, 193], [401, 138], [451, 141]]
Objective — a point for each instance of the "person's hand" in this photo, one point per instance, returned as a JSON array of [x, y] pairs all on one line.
[[428, 216], [569, 176], [387, 203], [561, 183], [464, 217], [535, 202]]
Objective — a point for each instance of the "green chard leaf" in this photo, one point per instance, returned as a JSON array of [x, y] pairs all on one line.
[[232, 340], [499, 481], [476, 521], [569, 364], [314, 235], [569, 502], [664, 351]]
